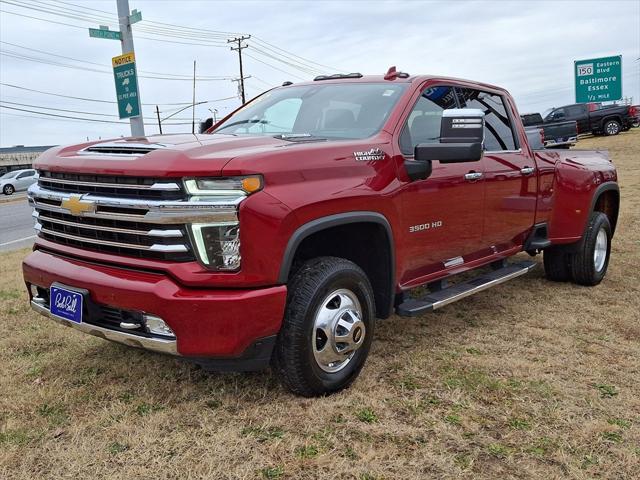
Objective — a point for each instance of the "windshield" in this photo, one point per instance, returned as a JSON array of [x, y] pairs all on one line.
[[9, 175], [332, 111]]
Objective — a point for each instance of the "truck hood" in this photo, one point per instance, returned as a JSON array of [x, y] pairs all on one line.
[[157, 155]]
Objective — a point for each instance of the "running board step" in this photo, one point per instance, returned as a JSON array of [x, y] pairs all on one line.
[[440, 298]]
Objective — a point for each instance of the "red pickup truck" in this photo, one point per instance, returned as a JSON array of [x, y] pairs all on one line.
[[280, 235]]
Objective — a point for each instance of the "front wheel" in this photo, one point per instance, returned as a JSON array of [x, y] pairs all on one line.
[[8, 190], [589, 263], [328, 327]]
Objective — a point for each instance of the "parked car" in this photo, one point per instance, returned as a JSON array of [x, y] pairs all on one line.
[[606, 120], [555, 134], [280, 235], [535, 137], [17, 181]]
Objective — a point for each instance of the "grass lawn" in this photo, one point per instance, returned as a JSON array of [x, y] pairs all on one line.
[[530, 380]]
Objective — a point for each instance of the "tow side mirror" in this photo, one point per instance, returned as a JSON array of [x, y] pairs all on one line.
[[461, 140]]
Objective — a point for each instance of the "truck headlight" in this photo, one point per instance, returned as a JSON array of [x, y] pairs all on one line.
[[223, 185], [218, 245]]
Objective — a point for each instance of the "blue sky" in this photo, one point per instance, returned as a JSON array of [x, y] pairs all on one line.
[[526, 47]]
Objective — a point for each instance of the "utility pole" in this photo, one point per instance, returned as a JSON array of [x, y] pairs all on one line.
[[239, 49], [193, 103], [159, 123], [137, 123]]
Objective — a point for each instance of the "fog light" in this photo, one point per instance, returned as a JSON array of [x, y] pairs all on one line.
[[156, 326], [34, 290]]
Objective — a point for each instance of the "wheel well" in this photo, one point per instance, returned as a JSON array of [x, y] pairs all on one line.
[[614, 117], [609, 203], [366, 244]]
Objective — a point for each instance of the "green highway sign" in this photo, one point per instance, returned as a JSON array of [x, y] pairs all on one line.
[[135, 16], [598, 79], [104, 32], [124, 74]]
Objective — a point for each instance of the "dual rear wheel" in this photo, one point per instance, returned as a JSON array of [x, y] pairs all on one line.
[[585, 263]]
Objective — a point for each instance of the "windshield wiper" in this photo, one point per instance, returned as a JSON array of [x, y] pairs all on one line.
[[293, 137], [241, 122]]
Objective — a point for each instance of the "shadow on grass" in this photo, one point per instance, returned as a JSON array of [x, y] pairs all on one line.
[[110, 370]]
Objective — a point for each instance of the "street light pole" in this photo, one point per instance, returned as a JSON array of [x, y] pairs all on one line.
[[137, 123]]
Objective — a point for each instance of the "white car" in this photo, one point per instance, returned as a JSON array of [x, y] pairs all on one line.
[[17, 180]]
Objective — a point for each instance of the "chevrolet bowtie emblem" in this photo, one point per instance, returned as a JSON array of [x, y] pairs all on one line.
[[77, 206]]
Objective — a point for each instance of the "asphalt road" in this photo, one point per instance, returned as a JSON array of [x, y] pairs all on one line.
[[16, 225]]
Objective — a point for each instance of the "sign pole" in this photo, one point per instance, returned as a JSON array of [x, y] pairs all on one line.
[[137, 123]]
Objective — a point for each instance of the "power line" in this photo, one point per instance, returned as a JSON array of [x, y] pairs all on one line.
[[29, 58], [74, 111], [200, 37], [189, 77], [107, 101], [176, 31], [79, 118], [275, 68]]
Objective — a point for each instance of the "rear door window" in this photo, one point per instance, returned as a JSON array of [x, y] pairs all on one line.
[[574, 111], [498, 130]]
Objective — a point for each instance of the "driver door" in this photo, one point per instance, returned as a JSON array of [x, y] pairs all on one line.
[[441, 215]]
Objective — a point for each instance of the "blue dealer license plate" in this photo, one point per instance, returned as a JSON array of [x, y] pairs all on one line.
[[66, 304]]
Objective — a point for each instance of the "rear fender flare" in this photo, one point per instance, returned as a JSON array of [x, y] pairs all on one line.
[[605, 187]]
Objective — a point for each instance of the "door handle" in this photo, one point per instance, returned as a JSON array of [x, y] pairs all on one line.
[[527, 170], [473, 176]]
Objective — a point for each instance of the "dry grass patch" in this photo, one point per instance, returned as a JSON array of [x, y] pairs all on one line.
[[528, 380]]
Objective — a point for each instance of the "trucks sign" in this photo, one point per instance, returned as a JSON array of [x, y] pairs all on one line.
[[598, 79], [124, 74]]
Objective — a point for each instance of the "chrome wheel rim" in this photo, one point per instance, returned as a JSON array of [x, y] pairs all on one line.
[[600, 250], [338, 330], [612, 128]]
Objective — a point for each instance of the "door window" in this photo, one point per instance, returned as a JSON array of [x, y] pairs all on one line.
[[423, 124], [28, 173], [498, 130], [574, 111]]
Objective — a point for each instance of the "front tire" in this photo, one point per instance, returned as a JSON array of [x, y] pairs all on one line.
[[612, 127], [590, 262], [8, 190], [327, 329]]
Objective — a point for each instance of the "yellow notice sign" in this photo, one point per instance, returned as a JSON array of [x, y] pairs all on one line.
[[123, 59]]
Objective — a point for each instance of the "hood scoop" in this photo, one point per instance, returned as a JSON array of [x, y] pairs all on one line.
[[123, 148]]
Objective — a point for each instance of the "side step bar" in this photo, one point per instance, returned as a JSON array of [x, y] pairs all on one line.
[[440, 298]]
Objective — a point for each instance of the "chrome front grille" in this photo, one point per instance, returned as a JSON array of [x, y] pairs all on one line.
[[112, 186], [111, 236], [123, 224]]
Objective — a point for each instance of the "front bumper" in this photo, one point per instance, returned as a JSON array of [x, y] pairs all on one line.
[[208, 324]]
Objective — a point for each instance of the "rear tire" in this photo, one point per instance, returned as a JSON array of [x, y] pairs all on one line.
[[327, 329], [8, 190], [612, 127], [557, 266], [590, 261]]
